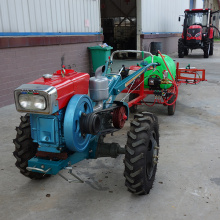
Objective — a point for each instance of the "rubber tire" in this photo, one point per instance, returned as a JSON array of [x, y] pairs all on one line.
[[186, 52], [133, 109], [25, 149], [144, 130], [171, 108], [211, 47], [206, 50], [180, 48]]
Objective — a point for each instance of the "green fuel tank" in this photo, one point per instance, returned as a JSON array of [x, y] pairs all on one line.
[[159, 69]]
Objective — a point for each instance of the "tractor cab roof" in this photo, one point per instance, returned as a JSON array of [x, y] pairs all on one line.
[[198, 10]]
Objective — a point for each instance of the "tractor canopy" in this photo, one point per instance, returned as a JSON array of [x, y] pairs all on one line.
[[197, 17]]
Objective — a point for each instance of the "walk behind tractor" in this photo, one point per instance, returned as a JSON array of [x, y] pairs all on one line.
[[198, 32], [64, 125]]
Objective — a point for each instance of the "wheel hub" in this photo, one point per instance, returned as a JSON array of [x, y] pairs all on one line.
[[119, 117], [75, 140], [152, 157]]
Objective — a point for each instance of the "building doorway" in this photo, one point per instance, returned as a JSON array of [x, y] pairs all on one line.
[[119, 23]]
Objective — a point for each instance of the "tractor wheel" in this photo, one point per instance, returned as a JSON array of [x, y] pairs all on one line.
[[181, 48], [211, 47], [25, 148], [186, 51], [171, 108], [133, 109], [206, 50], [141, 156]]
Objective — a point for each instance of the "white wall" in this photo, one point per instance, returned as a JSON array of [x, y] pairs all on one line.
[[199, 4], [49, 16], [161, 16]]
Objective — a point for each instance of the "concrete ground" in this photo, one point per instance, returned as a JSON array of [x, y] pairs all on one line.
[[187, 184]]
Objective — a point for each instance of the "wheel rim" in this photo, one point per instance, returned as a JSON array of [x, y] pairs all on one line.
[[119, 117], [152, 157]]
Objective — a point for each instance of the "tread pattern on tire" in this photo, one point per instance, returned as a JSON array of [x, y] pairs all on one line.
[[171, 108], [143, 127], [25, 148]]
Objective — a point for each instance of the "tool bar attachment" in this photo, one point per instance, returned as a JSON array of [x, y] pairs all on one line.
[[189, 75], [128, 80]]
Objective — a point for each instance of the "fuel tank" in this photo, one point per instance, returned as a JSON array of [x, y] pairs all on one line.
[[98, 86], [159, 70]]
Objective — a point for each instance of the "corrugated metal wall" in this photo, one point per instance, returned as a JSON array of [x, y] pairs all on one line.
[[49, 16], [162, 15]]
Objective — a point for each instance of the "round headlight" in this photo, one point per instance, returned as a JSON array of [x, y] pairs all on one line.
[[39, 102], [24, 101]]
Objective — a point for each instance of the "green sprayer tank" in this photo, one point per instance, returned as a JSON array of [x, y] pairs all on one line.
[[159, 70]]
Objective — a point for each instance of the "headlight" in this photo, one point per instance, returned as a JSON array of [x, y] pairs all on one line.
[[36, 98], [189, 35], [198, 34], [39, 102], [32, 102]]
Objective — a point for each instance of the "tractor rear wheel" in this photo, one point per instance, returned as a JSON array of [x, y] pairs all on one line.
[[181, 50], [133, 109], [25, 148], [141, 156]]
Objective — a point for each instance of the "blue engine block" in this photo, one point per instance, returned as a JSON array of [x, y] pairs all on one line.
[[46, 130]]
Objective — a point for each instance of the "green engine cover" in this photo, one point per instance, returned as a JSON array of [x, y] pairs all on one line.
[[159, 70]]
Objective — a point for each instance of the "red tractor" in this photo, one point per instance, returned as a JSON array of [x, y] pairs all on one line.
[[197, 32]]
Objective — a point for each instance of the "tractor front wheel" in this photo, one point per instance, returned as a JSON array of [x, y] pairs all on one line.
[[186, 51], [25, 148], [181, 50], [206, 50], [141, 156], [211, 47]]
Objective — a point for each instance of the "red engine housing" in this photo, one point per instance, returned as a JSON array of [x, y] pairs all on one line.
[[68, 82]]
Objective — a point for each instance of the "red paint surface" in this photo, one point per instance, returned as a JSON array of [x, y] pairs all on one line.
[[72, 83], [195, 38], [211, 33]]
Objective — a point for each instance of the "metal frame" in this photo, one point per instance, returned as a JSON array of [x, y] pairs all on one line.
[[192, 73], [186, 76]]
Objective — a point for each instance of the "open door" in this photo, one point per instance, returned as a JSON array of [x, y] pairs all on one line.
[[119, 23]]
